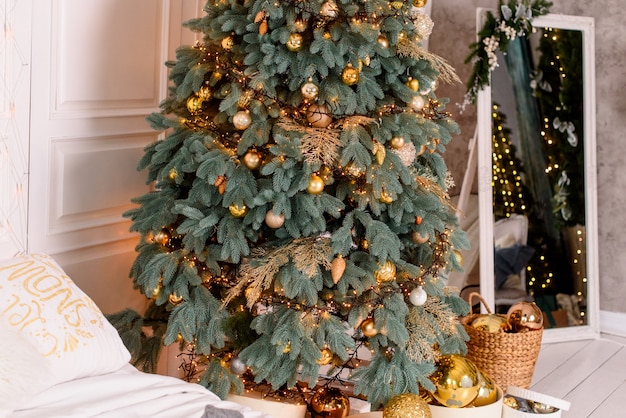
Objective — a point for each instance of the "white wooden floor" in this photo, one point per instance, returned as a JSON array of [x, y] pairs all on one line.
[[591, 374]]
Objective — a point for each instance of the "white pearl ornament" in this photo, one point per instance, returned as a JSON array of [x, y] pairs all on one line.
[[418, 296]]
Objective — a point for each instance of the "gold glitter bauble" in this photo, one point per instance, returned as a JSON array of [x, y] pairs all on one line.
[[350, 75], [419, 3], [174, 299], [525, 316], [329, 402], [162, 237], [242, 119], [456, 381], [274, 220], [386, 272], [487, 393], [407, 405], [238, 211], [327, 357], [294, 42], [205, 93], [309, 90], [318, 116], [413, 84], [228, 43], [368, 328], [316, 184], [407, 154], [397, 142], [252, 160]]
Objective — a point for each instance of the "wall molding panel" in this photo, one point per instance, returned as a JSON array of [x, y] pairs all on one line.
[[106, 164], [107, 57]]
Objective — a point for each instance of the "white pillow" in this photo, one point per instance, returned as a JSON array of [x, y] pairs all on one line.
[[21, 369], [56, 322]]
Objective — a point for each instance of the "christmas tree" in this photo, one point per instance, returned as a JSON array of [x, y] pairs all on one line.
[[299, 208]]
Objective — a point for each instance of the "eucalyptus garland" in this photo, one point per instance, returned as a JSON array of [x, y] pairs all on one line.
[[514, 20]]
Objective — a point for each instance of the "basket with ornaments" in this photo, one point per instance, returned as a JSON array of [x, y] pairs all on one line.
[[506, 347]]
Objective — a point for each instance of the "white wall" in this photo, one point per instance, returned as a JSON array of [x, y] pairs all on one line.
[[73, 129]]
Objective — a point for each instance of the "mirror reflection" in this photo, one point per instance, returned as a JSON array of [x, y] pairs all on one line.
[[538, 183]]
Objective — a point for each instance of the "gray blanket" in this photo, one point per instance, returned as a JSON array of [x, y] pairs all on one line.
[[213, 412]]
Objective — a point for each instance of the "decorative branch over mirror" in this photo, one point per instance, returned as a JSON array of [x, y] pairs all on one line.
[[533, 83]]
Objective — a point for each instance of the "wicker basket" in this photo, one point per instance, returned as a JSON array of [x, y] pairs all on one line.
[[508, 358]]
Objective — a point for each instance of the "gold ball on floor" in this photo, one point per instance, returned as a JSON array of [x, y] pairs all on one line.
[[407, 405], [456, 381], [329, 403]]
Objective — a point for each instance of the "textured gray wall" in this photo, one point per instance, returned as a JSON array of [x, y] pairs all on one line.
[[454, 30]]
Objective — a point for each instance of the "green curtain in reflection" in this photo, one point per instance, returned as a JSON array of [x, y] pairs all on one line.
[[519, 66]]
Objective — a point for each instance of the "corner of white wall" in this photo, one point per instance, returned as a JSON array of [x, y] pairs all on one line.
[[613, 323]]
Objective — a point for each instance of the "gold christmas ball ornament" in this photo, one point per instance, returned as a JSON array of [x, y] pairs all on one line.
[[368, 328], [413, 84], [162, 237], [386, 272], [228, 43], [238, 211], [316, 185], [417, 103], [456, 381], [350, 75], [407, 405], [418, 296], [252, 160], [318, 116], [294, 42], [419, 3], [242, 120], [326, 358], [525, 316], [310, 90], [397, 142], [174, 299], [329, 402], [205, 93], [274, 220], [490, 322], [419, 238], [194, 104], [385, 198], [487, 392], [383, 41]]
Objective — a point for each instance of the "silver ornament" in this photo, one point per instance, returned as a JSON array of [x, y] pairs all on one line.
[[237, 366]]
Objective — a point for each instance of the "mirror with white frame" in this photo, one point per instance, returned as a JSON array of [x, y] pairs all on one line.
[[537, 197]]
